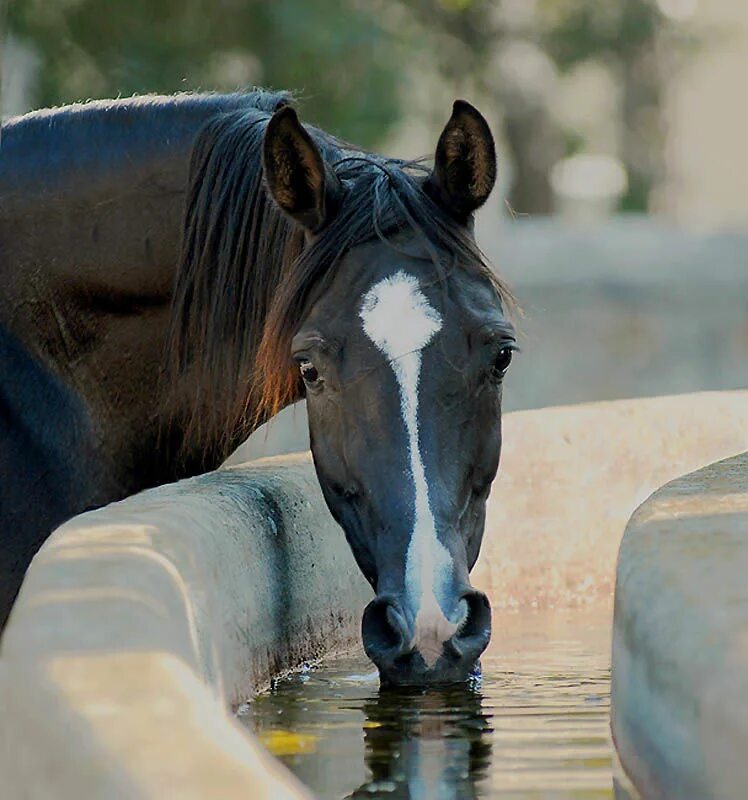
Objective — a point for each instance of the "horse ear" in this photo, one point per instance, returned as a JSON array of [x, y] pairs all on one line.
[[465, 162], [295, 171]]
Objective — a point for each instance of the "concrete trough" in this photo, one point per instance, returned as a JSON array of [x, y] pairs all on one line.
[[570, 478], [680, 644], [140, 625]]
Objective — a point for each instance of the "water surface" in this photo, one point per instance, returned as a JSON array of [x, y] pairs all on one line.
[[535, 727]]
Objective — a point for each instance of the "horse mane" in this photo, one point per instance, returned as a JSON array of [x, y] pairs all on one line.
[[246, 278]]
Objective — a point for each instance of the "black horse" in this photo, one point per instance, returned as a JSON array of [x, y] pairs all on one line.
[[176, 270]]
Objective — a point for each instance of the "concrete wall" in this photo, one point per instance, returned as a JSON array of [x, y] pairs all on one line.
[[630, 308], [138, 624], [680, 646], [570, 478]]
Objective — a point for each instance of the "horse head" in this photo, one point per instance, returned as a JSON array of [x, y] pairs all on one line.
[[401, 352]]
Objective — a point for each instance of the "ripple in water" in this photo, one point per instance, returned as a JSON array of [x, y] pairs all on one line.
[[535, 727]]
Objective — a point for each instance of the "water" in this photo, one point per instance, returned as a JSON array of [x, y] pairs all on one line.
[[536, 727]]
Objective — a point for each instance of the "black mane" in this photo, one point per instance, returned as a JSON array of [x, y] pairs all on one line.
[[245, 279]]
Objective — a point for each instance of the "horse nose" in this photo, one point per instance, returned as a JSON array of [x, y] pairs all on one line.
[[409, 652]]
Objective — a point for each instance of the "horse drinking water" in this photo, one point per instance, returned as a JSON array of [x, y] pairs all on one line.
[[177, 270]]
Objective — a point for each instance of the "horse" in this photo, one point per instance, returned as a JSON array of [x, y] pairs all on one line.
[[176, 270]]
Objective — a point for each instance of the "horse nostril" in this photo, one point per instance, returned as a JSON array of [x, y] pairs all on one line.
[[475, 631], [384, 629]]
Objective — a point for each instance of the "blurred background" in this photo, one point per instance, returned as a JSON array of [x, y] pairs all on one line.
[[621, 220]]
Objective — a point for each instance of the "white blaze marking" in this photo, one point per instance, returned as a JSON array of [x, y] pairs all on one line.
[[398, 319]]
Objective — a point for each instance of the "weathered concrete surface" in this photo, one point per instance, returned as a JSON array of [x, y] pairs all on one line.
[[570, 478], [680, 645], [138, 623]]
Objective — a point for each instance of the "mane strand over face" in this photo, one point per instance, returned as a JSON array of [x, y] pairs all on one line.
[[247, 276]]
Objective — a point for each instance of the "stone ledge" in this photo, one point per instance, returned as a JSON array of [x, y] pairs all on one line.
[[680, 645], [139, 623]]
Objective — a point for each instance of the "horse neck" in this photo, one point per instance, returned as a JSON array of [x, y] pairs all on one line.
[[91, 198], [91, 225], [96, 311]]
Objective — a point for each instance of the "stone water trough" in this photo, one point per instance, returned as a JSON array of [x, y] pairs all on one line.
[[140, 625]]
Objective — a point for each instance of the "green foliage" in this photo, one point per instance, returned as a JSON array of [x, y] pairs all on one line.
[[333, 51], [572, 31], [346, 59]]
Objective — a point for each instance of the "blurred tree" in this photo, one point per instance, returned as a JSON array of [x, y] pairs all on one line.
[[481, 50], [333, 51], [515, 50], [346, 58], [627, 36]]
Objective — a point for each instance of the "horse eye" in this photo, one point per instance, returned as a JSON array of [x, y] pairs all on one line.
[[503, 360], [308, 372]]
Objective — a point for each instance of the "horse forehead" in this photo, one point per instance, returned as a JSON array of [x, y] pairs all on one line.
[[397, 316]]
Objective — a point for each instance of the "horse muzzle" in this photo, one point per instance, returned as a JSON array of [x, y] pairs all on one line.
[[419, 649]]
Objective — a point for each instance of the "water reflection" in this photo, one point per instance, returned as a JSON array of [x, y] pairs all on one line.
[[537, 727], [420, 745]]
